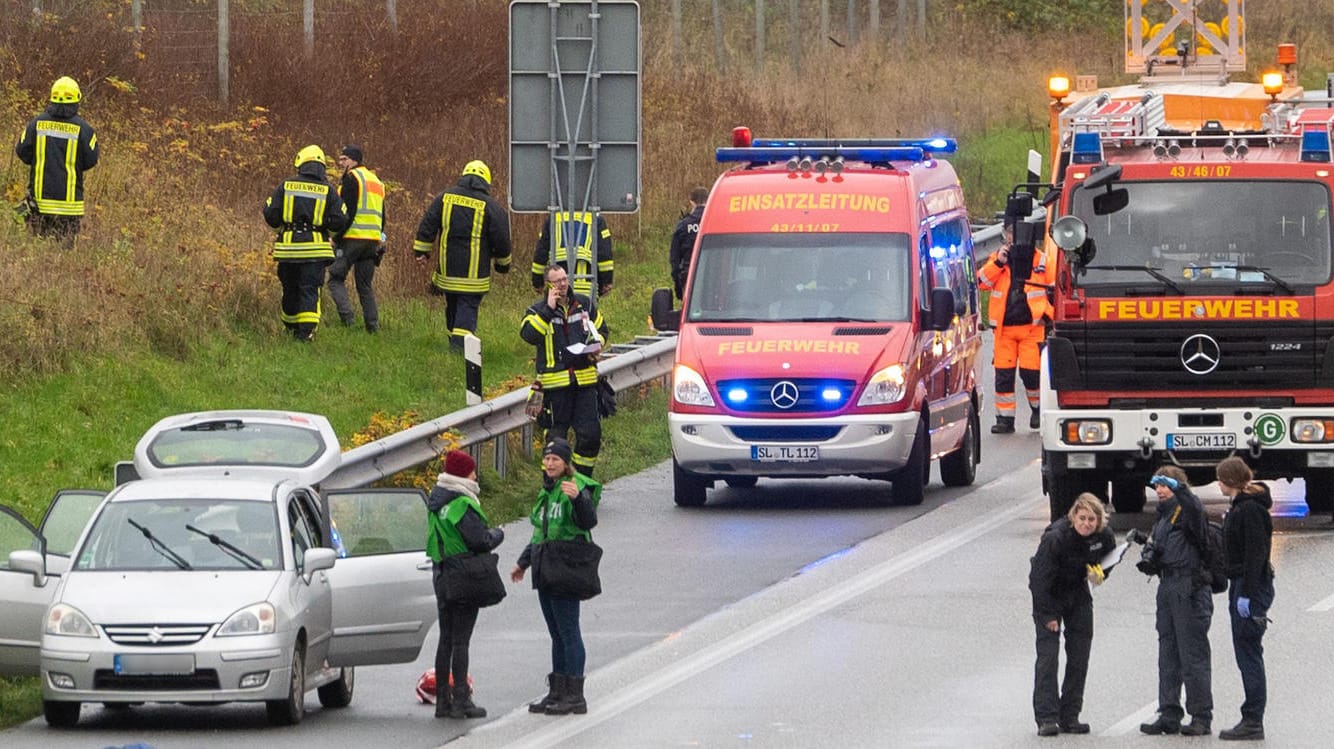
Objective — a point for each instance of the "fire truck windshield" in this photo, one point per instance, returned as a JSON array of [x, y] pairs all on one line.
[[1206, 234], [801, 277]]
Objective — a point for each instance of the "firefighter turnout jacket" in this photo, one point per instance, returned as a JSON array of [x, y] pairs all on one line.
[[578, 230], [553, 331], [59, 146], [306, 212], [363, 194], [472, 232]]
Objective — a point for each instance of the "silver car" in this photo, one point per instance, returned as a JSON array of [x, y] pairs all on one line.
[[219, 574]]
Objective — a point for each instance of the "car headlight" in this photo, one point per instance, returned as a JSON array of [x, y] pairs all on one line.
[[255, 619], [886, 386], [67, 621], [688, 387]]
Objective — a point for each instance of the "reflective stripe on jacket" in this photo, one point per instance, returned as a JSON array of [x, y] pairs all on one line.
[[580, 227], [472, 233], [58, 151], [551, 332], [305, 210]]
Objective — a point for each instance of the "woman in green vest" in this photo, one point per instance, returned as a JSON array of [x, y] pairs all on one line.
[[457, 526], [566, 509]]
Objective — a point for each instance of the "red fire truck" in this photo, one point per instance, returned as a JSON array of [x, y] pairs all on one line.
[[1194, 307], [830, 324]]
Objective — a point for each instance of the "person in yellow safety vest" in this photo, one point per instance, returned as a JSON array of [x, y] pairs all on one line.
[[472, 232], [59, 146], [1017, 313], [359, 248], [577, 230], [306, 212]]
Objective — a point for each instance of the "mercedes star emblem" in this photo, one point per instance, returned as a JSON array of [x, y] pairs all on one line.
[[1200, 354], [784, 394]]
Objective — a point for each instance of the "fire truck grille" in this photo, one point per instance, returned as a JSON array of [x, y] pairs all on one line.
[[1196, 357]]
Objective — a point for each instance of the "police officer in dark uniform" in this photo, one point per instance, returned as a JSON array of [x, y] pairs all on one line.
[[567, 332], [683, 239], [307, 212], [472, 232], [1067, 561], [1184, 607], [59, 146]]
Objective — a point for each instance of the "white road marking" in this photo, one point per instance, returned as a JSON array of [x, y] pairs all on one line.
[[1323, 606], [1131, 722], [763, 630]]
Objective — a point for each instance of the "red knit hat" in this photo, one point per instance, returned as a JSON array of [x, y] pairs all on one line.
[[459, 463]]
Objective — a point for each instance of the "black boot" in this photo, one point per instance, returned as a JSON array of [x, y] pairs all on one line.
[[1160, 726], [555, 685], [1035, 420], [462, 706], [1003, 425], [1197, 727], [1246, 730], [442, 701], [571, 700]]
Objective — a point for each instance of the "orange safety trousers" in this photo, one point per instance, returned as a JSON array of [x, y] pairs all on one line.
[[1021, 345]]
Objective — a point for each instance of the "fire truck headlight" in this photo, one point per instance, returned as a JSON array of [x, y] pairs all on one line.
[[1313, 430], [1091, 432], [886, 386], [688, 387]]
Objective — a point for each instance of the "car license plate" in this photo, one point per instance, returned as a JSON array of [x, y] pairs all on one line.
[[154, 664], [1202, 441], [784, 453]]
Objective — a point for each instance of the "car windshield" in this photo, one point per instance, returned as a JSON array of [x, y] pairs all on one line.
[[236, 442], [1208, 237], [171, 534], [801, 278]]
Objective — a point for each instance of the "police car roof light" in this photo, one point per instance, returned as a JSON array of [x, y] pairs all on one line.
[[1316, 146], [1087, 149], [791, 154]]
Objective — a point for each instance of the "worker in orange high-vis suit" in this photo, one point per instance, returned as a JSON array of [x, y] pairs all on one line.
[[1017, 277]]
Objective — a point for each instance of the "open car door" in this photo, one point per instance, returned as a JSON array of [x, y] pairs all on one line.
[[24, 596], [383, 598]]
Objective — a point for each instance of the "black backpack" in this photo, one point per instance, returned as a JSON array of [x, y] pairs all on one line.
[[1213, 557]]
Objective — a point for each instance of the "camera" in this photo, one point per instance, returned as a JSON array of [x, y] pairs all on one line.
[[1150, 560]]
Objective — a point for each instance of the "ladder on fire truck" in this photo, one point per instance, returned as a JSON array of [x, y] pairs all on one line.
[[1117, 122]]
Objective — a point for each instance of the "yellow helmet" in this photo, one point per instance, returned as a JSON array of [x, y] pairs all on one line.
[[478, 168], [310, 153], [65, 91]]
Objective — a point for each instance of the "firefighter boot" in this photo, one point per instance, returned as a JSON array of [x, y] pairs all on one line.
[[555, 685], [462, 706], [1035, 419], [571, 699], [1003, 425]]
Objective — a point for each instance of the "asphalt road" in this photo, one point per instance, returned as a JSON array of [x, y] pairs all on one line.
[[800, 614]]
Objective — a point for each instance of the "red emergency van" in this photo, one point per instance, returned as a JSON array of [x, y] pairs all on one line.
[[830, 322]]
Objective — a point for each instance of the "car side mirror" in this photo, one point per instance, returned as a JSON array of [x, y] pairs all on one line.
[[318, 559], [942, 308], [32, 562]]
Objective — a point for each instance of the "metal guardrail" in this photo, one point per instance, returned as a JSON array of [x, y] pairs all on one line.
[[627, 365]]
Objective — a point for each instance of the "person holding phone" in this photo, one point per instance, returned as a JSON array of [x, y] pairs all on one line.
[[567, 332]]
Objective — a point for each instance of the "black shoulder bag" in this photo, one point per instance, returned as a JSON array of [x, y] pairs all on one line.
[[568, 569]]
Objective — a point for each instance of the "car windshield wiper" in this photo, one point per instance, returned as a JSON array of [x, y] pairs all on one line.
[[232, 549], [160, 547], [1268, 276], [216, 425], [1155, 272]]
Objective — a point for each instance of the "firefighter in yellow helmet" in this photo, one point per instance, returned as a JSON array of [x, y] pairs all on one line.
[[59, 146], [306, 211], [471, 231]]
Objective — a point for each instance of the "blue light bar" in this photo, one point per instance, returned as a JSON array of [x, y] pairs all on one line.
[[1315, 146], [775, 154], [929, 145], [1087, 149]]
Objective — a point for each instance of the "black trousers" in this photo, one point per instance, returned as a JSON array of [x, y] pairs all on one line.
[[301, 296], [577, 407], [1184, 611], [358, 257], [1248, 646], [451, 651], [1053, 703], [461, 316]]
